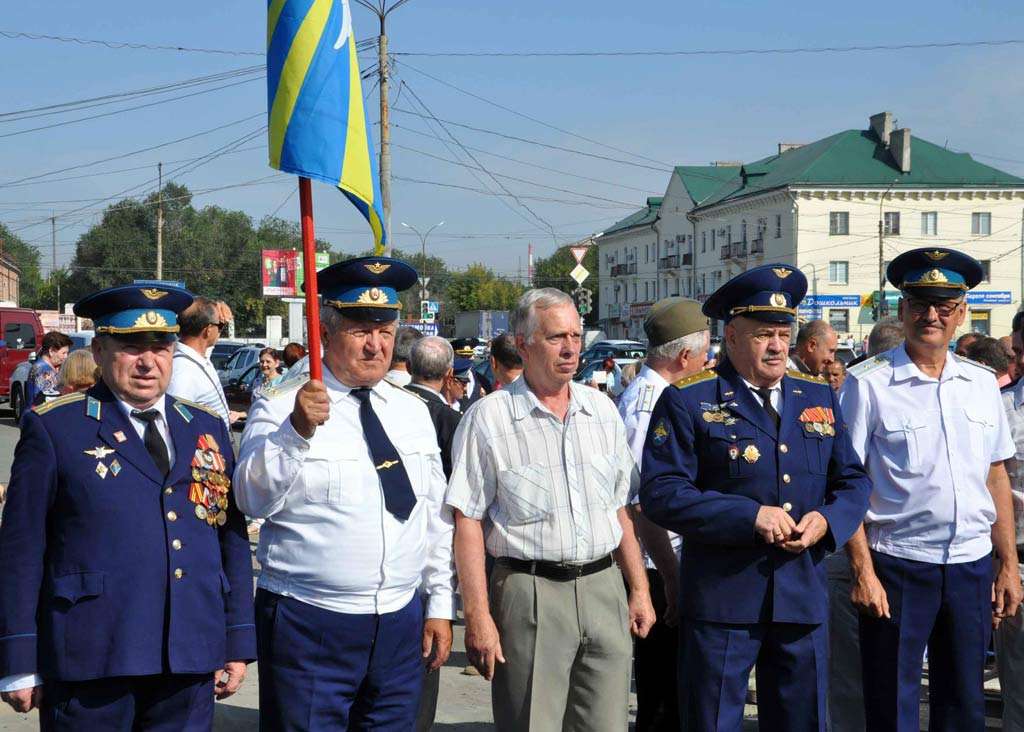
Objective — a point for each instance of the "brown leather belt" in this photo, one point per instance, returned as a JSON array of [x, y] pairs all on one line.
[[558, 571]]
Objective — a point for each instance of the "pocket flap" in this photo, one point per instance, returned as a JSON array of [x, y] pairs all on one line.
[[74, 587]]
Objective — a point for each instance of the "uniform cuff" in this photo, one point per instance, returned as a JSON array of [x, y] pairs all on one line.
[[440, 606], [241, 643], [17, 682]]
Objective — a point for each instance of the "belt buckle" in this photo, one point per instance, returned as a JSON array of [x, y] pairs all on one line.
[[533, 567]]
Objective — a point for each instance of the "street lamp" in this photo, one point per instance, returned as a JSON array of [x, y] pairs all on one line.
[[423, 248]]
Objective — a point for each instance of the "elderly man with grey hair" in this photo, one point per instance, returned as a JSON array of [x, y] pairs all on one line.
[[542, 479], [405, 337], [816, 344], [430, 363], [677, 341]]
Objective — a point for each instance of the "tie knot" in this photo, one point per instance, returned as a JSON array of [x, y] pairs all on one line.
[[150, 415], [362, 394]]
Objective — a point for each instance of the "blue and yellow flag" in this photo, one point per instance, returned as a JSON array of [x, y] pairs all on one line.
[[318, 126]]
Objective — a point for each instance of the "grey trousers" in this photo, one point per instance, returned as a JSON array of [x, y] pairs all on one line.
[[1009, 638], [845, 683], [567, 653]]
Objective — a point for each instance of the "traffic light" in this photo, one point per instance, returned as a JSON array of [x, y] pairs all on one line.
[[586, 301]]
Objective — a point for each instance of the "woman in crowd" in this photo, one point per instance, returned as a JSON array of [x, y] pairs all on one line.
[[270, 372], [77, 373], [44, 372]]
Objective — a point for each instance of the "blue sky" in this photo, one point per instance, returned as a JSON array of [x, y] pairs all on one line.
[[661, 111]]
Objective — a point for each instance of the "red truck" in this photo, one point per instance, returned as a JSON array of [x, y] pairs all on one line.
[[21, 332]]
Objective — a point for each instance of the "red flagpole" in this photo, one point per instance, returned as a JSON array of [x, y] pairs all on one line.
[[309, 268]]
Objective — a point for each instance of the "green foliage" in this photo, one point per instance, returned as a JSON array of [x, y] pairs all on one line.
[[478, 288], [26, 258]]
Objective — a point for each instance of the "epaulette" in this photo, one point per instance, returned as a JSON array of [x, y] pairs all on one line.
[[286, 387], [972, 362], [794, 374], [59, 402], [410, 392], [191, 404], [646, 401], [695, 378], [872, 364]]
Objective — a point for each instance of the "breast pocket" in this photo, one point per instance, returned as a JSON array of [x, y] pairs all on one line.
[[905, 439], [818, 447], [326, 471], [980, 431], [603, 477], [732, 449], [417, 455], [524, 494]]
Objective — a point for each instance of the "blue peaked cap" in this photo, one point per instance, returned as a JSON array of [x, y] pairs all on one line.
[[366, 288], [934, 272], [135, 310], [770, 293]]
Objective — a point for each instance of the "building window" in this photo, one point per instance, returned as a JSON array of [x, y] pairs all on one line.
[[891, 225], [778, 226], [839, 223], [743, 229], [981, 321], [839, 319], [728, 234], [929, 223], [981, 223], [712, 240], [986, 270], [703, 241], [838, 273], [634, 293]]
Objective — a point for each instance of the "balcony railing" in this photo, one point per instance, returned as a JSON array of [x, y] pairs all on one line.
[[669, 262], [688, 259], [726, 252], [757, 246], [618, 270], [739, 249]]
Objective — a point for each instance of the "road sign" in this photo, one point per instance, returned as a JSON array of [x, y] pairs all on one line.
[[428, 311], [579, 273], [424, 294], [579, 253], [424, 281], [433, 307]]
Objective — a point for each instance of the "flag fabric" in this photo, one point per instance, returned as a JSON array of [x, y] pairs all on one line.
[[318, 126]]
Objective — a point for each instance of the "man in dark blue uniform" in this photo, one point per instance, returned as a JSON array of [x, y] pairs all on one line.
[[753, 467], [126, 591]]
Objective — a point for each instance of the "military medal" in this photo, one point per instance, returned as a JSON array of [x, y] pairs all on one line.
[[101, 470], [115, 468], [200, 511], [734, 452], [751, 454], [210, 483]]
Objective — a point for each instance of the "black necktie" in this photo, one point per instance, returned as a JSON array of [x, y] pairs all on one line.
[[766, 396], [155, 445], [399, 498]]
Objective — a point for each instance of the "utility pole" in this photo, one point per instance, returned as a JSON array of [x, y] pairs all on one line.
[[880, 304], [160, 222], [53, 255], [381, 9]]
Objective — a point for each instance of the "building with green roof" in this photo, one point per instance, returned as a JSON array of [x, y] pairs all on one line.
[[827, 207]]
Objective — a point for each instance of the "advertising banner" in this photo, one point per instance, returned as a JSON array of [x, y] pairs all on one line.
[[282, 274]]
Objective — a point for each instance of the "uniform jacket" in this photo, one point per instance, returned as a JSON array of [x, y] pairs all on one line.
[[713, 458], [108, 570], [445, 419]]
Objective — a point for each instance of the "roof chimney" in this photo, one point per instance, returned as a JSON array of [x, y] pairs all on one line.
[[899, 148], [881, 125], [786, 146]]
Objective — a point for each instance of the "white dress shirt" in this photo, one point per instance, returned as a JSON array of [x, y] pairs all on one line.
[[549, 489], [195, 378], [328, 539], [635, 407], [927, 445]]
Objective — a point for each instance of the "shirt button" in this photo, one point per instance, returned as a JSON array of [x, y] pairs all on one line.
[[176, 543], [787, 506], [168, 490], [783, 448], [785, 477], [172, 516], [179, 573]]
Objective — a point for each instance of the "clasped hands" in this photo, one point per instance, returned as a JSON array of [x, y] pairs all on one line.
[[776, 527]]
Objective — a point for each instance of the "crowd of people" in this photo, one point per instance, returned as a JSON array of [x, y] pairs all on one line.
[[772, 511]]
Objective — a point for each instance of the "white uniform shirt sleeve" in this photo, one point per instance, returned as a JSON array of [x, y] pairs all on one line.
[[855, 401], [17, 682], [271, 458], [1003, 447], [439, 573]]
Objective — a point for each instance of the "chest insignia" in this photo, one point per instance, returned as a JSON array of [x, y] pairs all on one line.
[[102, 470], [387, 464], [210, 482], [717, 413], [115, 468], [119, 436], [818, 419], [734, 452], [100, 452], [660, 434], [751, 454]]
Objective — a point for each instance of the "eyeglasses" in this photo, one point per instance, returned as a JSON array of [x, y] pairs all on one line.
[[220, 326], [943, 308]]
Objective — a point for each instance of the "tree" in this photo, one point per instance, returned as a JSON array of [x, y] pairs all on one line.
[[554, 272], [26, 258], [478, 288]]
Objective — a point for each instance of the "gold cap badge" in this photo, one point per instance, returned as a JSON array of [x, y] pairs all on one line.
[[937, 255], [153, 294], [377, 267], [782, 273]]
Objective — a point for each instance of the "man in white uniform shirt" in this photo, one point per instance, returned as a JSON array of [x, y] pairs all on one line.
[[194, 376], [541, 478], [347, 473], [930, 428], [677, 342]]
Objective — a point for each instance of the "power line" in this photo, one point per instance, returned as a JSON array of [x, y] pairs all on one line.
[[120, 45], [713, 52]]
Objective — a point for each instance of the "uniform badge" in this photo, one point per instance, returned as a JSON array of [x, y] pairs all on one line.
[[102, 470], [751, 454], [660, 434], [818, 420], [210, 482], [115, 468], [734, 452], [119, 436], [100, 452]]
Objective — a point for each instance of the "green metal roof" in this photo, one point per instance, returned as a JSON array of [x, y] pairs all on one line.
[[643, 217], [854, 158], [701, 181]]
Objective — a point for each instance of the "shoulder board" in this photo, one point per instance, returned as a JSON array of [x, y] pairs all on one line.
[[872, 364], [646, 401], [964, 359], [410, 392], [193, 405], [286, 388], [794, 374], [696, 378], [59, 402]]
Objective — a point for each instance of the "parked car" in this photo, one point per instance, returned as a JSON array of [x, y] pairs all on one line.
[[586, 374], [238, 390], [222, 351], [238, 363], [22, 334], [617, 349], [80, 339]]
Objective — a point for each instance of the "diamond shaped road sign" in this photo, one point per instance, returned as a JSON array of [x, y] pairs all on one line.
[[579, 253], [579, 273]]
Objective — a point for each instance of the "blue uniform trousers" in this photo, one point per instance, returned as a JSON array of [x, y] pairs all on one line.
[[946, 608], [715, 660], [322, 671], [160, 703]]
